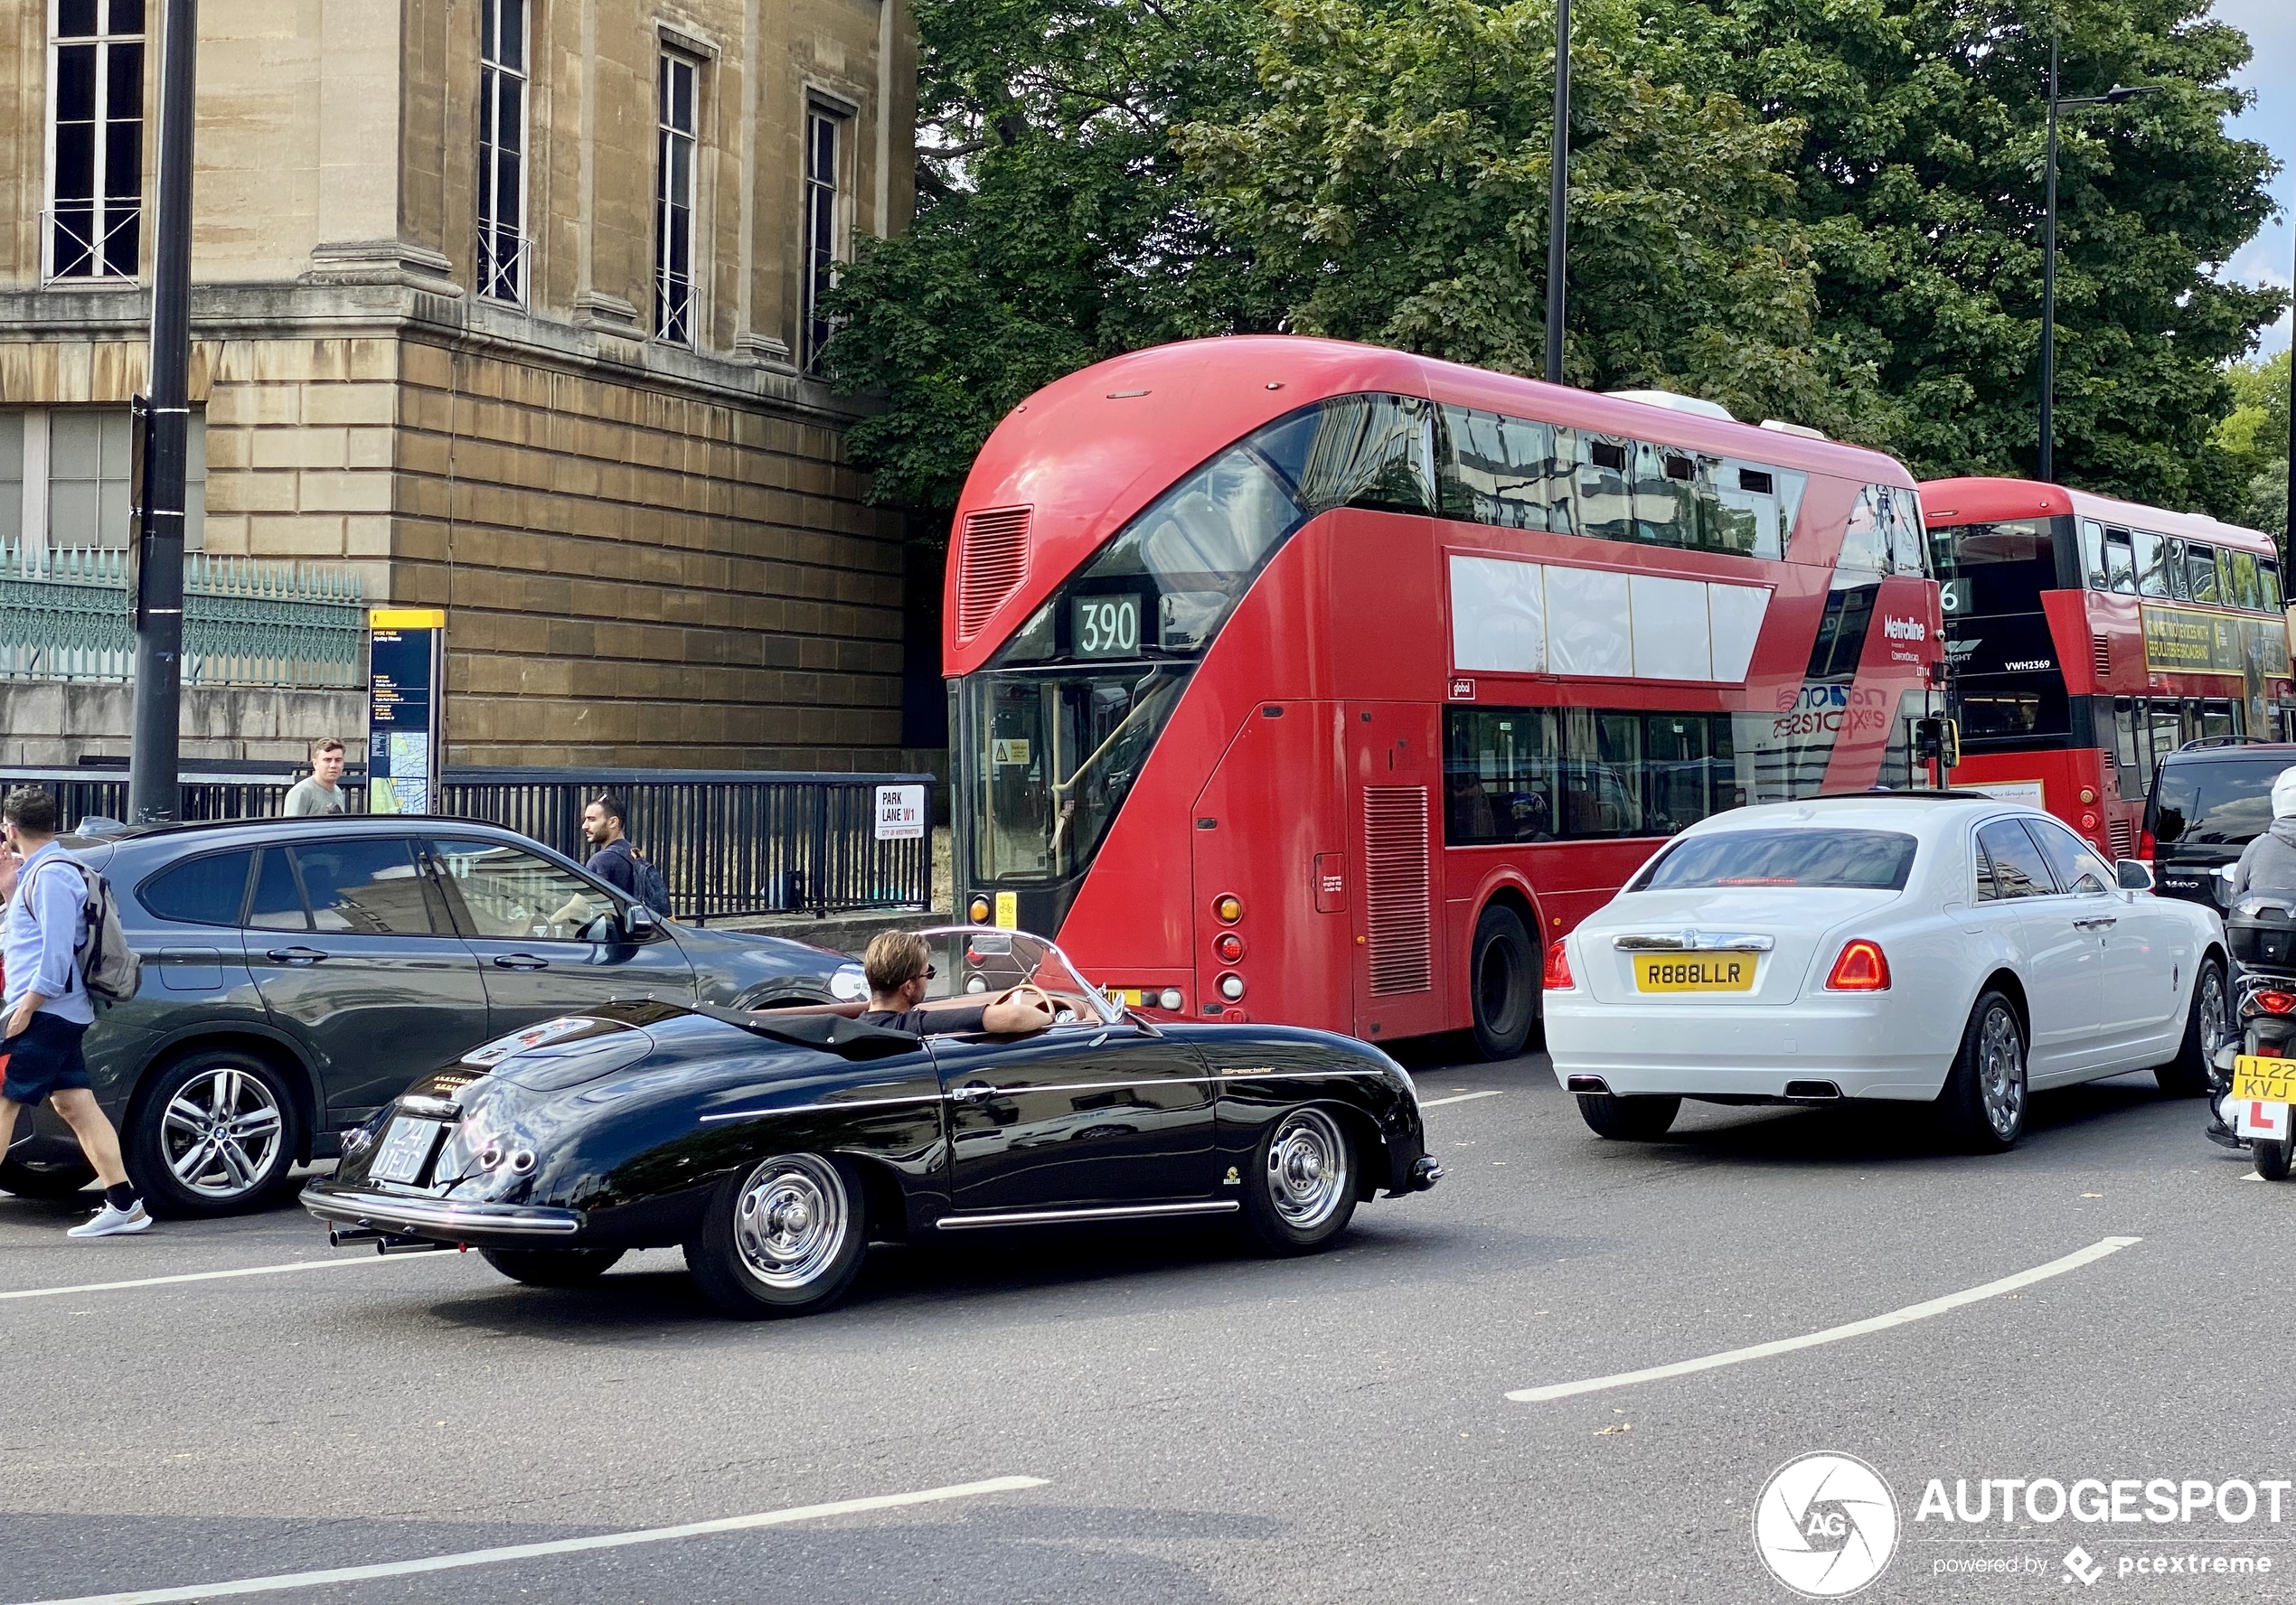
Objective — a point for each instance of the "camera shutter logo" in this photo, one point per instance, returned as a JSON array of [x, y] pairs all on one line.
[[1826, 1526]]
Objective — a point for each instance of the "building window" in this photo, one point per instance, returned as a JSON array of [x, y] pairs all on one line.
[[674, 202], [95, 138], [501, 151], [824, 157], [64, 478]]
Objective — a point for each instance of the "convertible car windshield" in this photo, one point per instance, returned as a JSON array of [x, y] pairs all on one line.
[[970, 962]]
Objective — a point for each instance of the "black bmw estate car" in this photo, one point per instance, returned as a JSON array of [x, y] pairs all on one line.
[[299, 973]]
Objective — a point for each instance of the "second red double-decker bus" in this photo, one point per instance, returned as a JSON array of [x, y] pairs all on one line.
[[1311, 682], [2090, 636]]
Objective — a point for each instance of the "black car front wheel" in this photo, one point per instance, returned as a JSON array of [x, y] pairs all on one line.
[[214, 1135], [553, 1267], [784, 1237], [1301, 1193]]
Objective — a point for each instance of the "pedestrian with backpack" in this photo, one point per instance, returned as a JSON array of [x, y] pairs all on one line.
[[46, 934]]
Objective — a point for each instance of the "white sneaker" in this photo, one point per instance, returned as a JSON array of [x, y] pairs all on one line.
[[112, 1221]]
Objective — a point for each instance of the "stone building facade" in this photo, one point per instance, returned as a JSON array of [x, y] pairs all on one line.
[[508, 304]]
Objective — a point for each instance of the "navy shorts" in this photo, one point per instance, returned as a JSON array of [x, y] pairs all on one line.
[[42, 1058]]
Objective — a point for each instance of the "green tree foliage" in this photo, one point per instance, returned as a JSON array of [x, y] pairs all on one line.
[[2254, 439], [1921, 178], [1391, 184]]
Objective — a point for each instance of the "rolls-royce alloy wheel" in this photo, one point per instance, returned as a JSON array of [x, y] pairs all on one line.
[[784, 1237], [1985, 1097], [215, 1133], [2207, 1026], [1302, 1192]]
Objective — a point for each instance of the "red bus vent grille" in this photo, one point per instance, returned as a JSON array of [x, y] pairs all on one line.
[[1395, 901], [2123, 837], [2102, 647], [991, 564]]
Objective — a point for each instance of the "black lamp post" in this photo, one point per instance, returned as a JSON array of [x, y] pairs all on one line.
[[2119, 95], [1558, 195]]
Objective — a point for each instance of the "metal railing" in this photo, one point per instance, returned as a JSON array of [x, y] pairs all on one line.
[[67, 615], [730, 843]]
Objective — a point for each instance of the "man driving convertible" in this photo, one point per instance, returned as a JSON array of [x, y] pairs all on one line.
[[897, 965]]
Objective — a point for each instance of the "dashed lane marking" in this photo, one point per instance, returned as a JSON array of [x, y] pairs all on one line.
[[526, 1552], [145, 1282], [1878, 1323], [1455, 1098]]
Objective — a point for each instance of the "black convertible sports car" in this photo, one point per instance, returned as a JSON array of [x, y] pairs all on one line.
[[776, 1145]]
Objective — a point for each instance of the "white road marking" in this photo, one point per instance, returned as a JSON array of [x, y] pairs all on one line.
[[1455, 1098], [1878, 1323], [145, 1282], [522, 1551]]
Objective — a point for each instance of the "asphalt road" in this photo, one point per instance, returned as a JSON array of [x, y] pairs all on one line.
[[1202, 1425]]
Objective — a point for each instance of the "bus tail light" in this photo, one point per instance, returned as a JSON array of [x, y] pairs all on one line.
[[1229, 947], [1557, 977], [1227, 908], [1232, 987], [1861, 968], [978, 909], [1170, 999]]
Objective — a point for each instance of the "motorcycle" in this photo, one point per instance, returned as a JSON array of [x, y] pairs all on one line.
[[2252, 1084]]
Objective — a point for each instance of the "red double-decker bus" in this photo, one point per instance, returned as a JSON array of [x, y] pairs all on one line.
[[2089, 636], [1306, 682]]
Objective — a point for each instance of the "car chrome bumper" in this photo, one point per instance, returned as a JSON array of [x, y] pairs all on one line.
[[440, 1219]]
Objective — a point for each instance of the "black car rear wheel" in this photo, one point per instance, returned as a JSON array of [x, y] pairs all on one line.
[[1640, 1119], [214, 1135], [1506, 983], [43, 1178], [553, 1267], [1302, 1192], [784, 1237]]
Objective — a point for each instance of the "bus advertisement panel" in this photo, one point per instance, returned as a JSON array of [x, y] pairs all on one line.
[[2088, 637], [1304, 682]]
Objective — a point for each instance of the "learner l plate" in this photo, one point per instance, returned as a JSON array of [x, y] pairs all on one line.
[[2263, 1081], [1694, 972], [406, 1149]]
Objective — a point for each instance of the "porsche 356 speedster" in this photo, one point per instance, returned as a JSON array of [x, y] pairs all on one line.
[[776, 1145]]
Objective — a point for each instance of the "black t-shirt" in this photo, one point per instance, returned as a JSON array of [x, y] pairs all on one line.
[[928, 1022]]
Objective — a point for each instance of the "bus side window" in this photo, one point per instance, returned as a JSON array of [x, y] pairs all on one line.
[[2177, 569], [2129, 733], [2268, 583], [1605, 498], [2200, 571], [1665, 495], [2152, 554], [2244, 590], [2120, 562], [1865, 542], [1750, 512], [1901, 517], [2093, 554]]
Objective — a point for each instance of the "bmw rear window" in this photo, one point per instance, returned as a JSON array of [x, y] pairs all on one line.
[[2215, 801], [1860, 860]]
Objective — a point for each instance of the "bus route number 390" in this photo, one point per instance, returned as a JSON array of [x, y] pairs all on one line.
[[1105, 626]]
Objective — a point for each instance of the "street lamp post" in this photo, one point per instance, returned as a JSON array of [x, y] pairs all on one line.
[[2119, 95], [1558, 195]]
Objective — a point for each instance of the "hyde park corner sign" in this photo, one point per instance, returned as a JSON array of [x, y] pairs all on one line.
[[405, 709]]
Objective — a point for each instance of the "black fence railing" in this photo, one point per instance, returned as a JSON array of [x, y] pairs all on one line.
[[730, 843]]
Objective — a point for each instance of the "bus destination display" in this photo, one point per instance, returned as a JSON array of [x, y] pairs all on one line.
[[1105, 626]]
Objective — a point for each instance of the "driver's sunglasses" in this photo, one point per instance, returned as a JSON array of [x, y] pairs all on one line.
[[929, 973]]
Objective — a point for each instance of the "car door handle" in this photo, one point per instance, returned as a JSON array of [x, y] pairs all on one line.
[[520, 961], [301, 957], [2095, 922], [972, 1092]]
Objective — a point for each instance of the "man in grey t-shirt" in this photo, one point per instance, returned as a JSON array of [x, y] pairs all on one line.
[[318, 794]]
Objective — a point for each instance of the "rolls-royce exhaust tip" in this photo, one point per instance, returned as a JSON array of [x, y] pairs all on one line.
[[1812, 1091], [1588, 1083]]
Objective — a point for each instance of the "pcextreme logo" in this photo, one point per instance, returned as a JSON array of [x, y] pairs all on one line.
[[1826, 1525]]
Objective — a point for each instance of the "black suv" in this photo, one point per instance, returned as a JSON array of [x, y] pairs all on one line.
[[298, 973], [2208, 802]]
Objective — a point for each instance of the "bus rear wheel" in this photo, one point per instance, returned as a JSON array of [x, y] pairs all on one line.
[[1503, 979]]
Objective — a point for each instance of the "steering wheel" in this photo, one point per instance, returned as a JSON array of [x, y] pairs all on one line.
[[1030, 990]]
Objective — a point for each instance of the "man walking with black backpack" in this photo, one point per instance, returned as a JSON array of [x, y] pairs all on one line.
[[44, 1007]]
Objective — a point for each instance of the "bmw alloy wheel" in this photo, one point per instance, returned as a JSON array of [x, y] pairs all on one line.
[[1307, 1168], [2000, 1072], [222, 1133], [790, 1220]]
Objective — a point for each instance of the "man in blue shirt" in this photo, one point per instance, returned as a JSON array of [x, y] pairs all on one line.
[[44, 1007]]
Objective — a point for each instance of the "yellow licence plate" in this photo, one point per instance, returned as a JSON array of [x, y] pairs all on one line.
[[1694, 972], [2263, 1081]]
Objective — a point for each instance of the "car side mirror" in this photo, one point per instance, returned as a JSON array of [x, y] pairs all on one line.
[[639, 922], [2134, 874]]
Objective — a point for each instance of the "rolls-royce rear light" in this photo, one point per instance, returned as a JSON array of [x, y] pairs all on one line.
[[1558, 978], [1861, 968]]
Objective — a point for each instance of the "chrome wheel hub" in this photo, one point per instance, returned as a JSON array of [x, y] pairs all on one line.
[[2000, 1072], [2214, 1030], [222, 1133], [1307, 1168], [790, 1220]]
